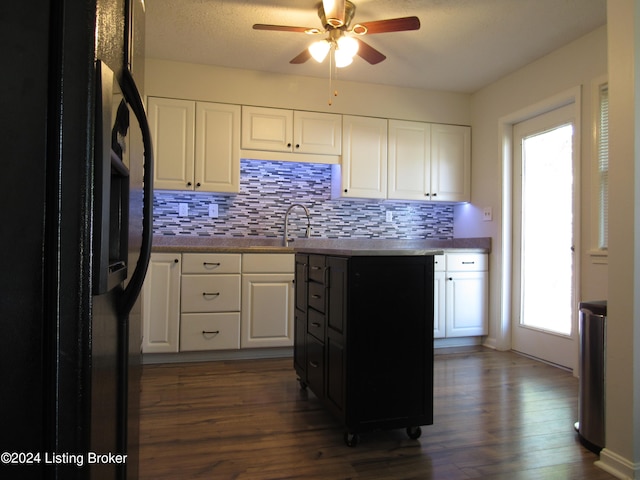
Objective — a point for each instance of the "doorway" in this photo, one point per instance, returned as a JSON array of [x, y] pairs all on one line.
[[544, 271]]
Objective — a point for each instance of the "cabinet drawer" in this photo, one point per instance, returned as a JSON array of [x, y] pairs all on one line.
[[466, 262], [268, 263], [210, 293], [211, 263], [317, 268], [209, 331], [439, 263], [315, 365], [315, 324], [317, 296]]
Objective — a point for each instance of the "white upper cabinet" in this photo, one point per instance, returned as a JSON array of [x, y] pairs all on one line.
[[429, 161], [172, 125], [409, 160], [450, 163], [196, 145], [217, 161], [363, 173], [267, 129], [317, 133], [268, 133]]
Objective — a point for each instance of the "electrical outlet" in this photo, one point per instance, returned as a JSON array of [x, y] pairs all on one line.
[[389, 216], [487, 214], [213, 210], [183, 210]]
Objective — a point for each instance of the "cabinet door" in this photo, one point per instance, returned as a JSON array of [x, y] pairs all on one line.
[[267, 129], [267, 310], [450, 163], [467, 304], [318, 133], [439, 304], [161, 304], [364, 157], [409, 160], [217, 152], [172, 124]]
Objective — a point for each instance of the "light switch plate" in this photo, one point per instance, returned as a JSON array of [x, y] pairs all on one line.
[[487, 214]]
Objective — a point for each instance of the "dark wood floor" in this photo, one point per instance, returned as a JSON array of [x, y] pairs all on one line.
[[497, 415]]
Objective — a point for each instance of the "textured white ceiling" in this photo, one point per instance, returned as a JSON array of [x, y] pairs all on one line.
[[462, 45]]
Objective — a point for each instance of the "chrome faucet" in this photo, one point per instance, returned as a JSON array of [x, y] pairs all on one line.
[[285, 239]]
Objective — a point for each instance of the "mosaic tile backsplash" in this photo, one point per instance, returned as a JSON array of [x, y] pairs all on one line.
[[267, 189]]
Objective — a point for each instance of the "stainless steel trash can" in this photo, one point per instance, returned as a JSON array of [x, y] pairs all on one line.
[[591, 420]]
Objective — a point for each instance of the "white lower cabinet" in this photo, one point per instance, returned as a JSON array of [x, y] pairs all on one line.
[[161, 304], [461, 295], [210, 301], [209, 331], [228, 301], [267, 300]]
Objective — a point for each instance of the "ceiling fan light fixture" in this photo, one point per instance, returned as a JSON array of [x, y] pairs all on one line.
[[319, 50], [334, 12], [348, 45], [343, 59]]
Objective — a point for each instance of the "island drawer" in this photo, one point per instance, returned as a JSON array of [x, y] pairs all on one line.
[[316, 324], [317, 295], [317, 268]]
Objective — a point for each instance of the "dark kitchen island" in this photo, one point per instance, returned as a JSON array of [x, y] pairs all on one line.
[[364, 336]]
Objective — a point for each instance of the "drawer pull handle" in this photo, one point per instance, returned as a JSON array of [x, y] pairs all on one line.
[[315, 295], [315, 324], [314, 364], [211, 264], [207, 294], [468, 263], [315, 267], [210, 334]]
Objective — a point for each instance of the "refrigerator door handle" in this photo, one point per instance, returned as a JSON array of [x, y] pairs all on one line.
[[133, 288]]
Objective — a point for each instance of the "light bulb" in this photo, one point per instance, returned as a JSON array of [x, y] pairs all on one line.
[[342, 58], [348, 45], [319, 50]]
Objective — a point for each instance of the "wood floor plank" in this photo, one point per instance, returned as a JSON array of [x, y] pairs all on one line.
[[496, 415]]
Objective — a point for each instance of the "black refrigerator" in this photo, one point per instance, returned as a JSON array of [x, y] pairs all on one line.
[[75, 227]]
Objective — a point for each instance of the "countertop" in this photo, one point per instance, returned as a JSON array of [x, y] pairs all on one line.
[[190, 244]]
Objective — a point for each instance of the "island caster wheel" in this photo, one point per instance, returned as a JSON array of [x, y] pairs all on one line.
[[351, 439], [414, 432]]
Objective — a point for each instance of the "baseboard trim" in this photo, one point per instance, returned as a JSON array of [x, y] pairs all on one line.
[[216, 355], [617, 465]]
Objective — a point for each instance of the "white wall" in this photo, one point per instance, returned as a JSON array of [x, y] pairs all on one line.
[[247, 87], [574, 65], [622, 450]]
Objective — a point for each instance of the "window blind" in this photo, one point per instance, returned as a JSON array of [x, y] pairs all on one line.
[[603, 167]]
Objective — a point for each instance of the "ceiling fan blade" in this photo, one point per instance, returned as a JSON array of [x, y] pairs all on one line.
[[369, 53], [392, 25], [302, 57], [280, 28]]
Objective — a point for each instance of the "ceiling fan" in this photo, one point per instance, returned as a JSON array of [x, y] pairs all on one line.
[[343, 38]]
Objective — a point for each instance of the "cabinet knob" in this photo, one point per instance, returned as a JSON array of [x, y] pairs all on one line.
[[345, 190], [198, 185], [434, 194], [188, 184], [175, 260], [289, 145], [450, 279], [297, 145]]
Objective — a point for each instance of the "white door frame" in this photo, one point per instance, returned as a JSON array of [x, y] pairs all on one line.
[[505, 138]]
